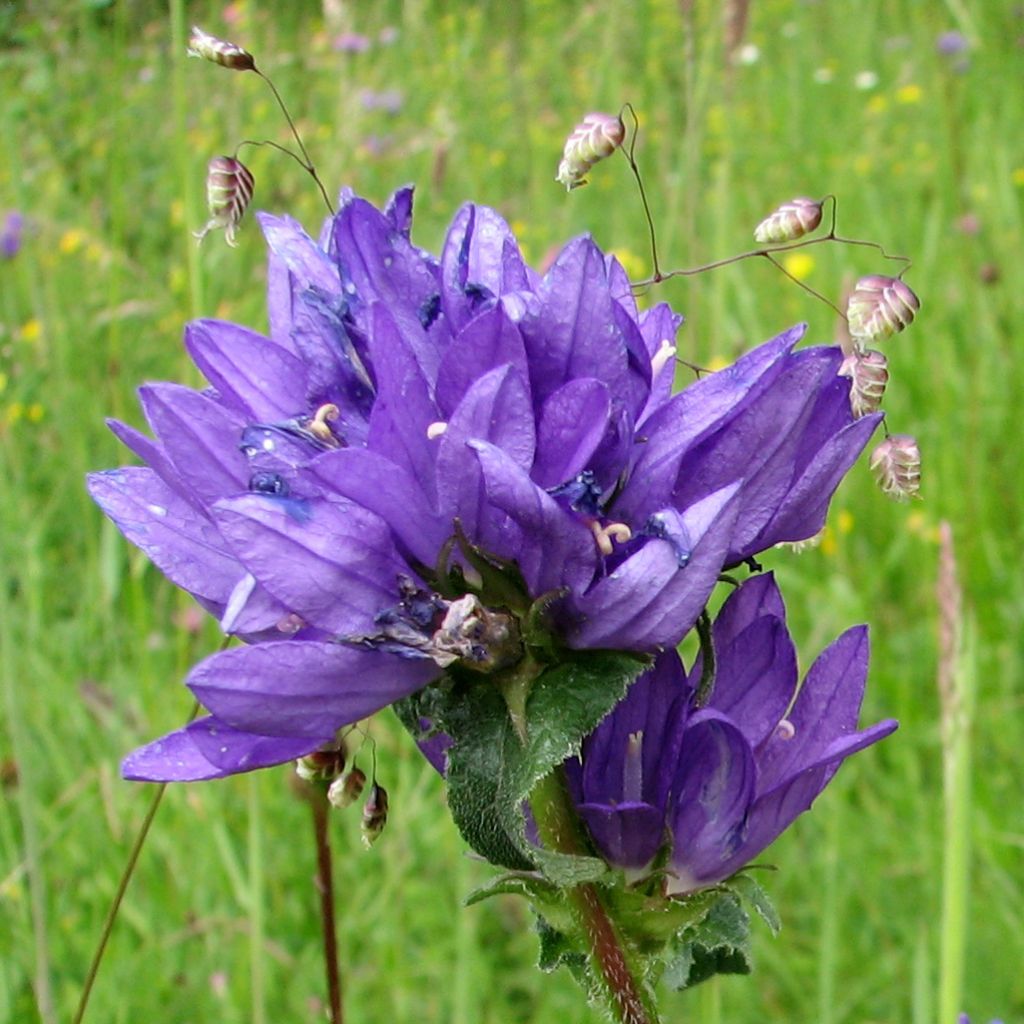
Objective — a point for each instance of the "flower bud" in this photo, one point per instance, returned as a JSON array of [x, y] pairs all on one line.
[[896, 463], [790, 221], [321, 765], [229, 188], [347, 789], [869, 372], [880, 307], [597, 136], [375, 815], [219, 51]]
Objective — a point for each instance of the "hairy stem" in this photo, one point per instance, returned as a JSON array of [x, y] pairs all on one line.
[[623, 992]]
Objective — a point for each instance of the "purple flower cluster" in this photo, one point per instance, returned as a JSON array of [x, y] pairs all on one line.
[[722, 778], [409, 412]]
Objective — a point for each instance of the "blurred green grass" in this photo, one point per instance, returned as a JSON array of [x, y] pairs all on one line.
[[107, 132]]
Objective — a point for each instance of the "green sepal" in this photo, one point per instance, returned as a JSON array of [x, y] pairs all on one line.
[[491, 771], [558, 949], [753, 894], [718, 944]]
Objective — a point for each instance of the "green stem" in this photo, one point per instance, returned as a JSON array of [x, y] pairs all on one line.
[[625, 995]]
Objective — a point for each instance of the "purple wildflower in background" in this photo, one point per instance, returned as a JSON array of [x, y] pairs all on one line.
[[724, 780], [11, 235], [951, 43], [352, 42], [330, 495], [388, 101]]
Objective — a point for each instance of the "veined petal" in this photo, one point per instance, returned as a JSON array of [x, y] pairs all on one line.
[[209, 749], [714, 788], [487, 342], [152, 453], [200, 436], [404, 408], [760, 443], [496, 409], [801, 513], [555, 548], [573, 423], [334, 564], [480, 262], [775, 810], [650, 601], [303, 688], [574, 332], [694, 413], [264, 381], [388, 490], [627, 835], [185, 546]]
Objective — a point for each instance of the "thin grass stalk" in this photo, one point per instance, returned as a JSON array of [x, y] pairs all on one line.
[[828, 943], [21, 747], [179, 90], [257, 918], [957, 674]]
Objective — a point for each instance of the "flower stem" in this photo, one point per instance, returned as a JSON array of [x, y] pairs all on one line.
[[325, 886], [624, 994]]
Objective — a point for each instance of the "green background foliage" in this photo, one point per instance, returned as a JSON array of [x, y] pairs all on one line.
[[106, 132]]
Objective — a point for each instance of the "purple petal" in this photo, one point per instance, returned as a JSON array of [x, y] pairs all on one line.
[[691, 415], [824, 712], [759, 595], [801, 514], [554, 548], [335, 565], [756, 677], [575, 331], [252, 610], [302, 688], [480, 262], [386, 489], [759, 443], [398, 210], [153, 454], [714, 787], [379, 265], [184, 545], [631, 755], [572, 425], [496, 409], [650, 601], [659, 325], [264, 381], [208, 749], [774, 811], [627, 835], [485, 343], [201, 438]]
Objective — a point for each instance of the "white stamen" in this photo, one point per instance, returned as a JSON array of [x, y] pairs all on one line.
[[666, 352], [605, 535], [318, 424], [633, 769], [785, 730], [436, 429]]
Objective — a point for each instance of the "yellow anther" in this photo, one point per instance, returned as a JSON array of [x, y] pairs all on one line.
[[436, 429], [318, 424], [607, 535]]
